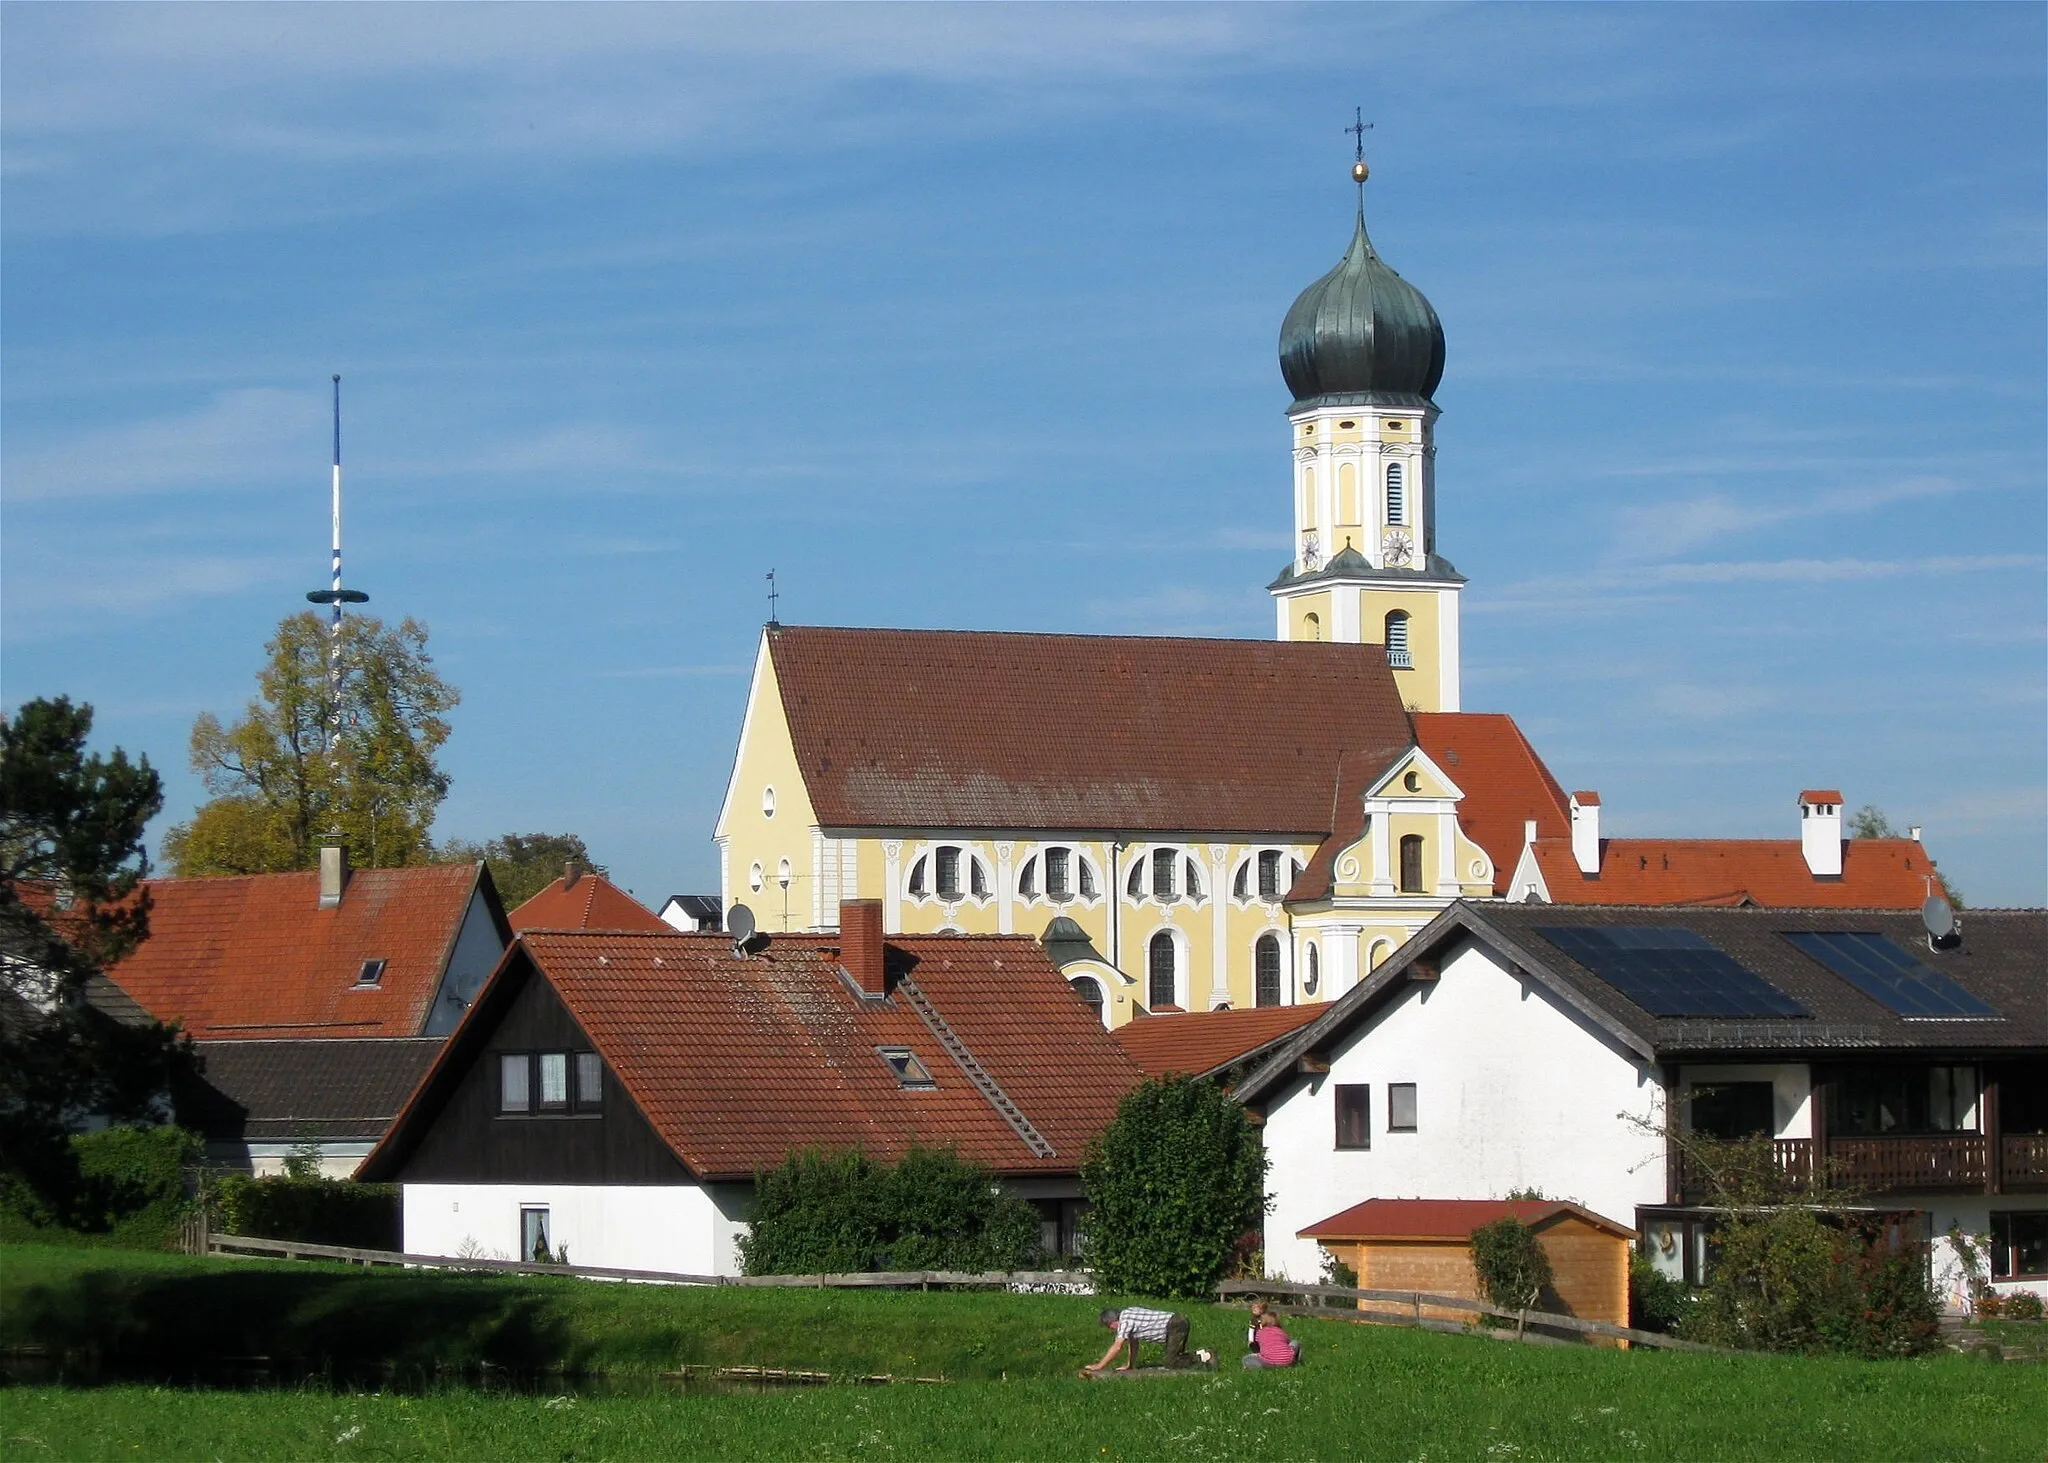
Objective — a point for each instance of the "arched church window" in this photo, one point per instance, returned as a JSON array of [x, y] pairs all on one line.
[[1411, 863], [1135, 885], [1161, 986], [917, 884], [977, 878], [948, 861], [1397, 640], [1241, 886], [1315, 973], [1056, 866], [1162, 874], [1087, 872], [1312, 623], [1027, 880], [1269, 874], [1193, 886], [1266, 971], [1397, 493], [1089, 989]]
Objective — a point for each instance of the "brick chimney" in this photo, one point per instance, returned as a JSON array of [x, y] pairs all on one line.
[[571, 872], [1586, 831], [860, 943], [1820, 831], [333, 873]]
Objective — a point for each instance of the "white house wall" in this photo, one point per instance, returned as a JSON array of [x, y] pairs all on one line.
[[1972, 1215], [1513, 1090], [686, 1228]]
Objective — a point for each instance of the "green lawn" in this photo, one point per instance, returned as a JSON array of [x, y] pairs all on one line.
[[1366, 1391]]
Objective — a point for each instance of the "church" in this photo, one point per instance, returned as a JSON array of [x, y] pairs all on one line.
[[1194, 824]]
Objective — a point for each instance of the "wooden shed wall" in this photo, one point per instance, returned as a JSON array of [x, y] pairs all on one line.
[[1590, 1265]]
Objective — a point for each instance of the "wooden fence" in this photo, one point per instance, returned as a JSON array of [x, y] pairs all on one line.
[[235, 1246], [1318, 1298]]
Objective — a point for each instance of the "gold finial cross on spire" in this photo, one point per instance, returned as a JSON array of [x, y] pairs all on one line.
[[1358, 128]]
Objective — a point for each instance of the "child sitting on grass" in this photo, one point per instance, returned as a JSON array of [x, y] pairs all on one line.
[[1271, 1346]]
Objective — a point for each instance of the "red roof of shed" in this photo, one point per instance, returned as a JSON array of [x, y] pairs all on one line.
[[1446, 1219]]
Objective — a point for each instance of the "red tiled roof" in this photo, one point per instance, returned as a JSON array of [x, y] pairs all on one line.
[[256, 956], [593, 902], [1877, 873], [1199, 1044], [738, 1062], [969, 729], [1505, 783], [1444, 1219], [1820, 795]]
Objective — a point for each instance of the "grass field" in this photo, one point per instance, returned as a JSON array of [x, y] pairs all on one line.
[[1366, 1391]]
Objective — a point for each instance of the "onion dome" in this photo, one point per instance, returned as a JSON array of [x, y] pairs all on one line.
[[1361, 335]]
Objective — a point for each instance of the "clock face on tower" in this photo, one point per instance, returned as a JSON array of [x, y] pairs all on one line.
[[1397, 548]]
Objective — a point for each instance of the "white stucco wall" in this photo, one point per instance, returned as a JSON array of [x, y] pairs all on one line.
[[1513, 1090], [686, 1228], [1972, 1215]]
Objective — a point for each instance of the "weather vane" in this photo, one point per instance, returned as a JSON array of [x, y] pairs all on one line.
[[774, 594]]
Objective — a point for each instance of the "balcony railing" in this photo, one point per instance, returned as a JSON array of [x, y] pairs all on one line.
[[1951, 1161]]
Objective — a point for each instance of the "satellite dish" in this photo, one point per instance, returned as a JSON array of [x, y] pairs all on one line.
[[739, 923], [1939, 916]]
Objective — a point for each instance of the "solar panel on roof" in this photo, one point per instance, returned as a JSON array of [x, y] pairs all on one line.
[[1671, 972], [1888, 974]]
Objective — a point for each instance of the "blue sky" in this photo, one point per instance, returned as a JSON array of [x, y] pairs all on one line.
[[966, 317]]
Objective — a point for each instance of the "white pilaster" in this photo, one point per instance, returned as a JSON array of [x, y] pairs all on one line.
[[1219, 924], [892, 887], [1006, 888]]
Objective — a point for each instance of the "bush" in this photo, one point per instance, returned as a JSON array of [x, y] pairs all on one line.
[[844, 1212], [120, 1186], [1656, 1301], [317, 1211], [1796, 1279], [1341, 1275], [1173, 1183], [1513, 1270], [2023, 1305]]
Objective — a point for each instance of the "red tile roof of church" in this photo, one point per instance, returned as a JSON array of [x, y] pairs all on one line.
[[593, 902], [255, 955], [973, 729], [1505, 783], [1877, 873]]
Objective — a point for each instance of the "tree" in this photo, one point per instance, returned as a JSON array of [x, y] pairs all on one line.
[[1870, 821], [522, 864], [72, 861], [1174, 1184], [278, 786], [1511, 1263]]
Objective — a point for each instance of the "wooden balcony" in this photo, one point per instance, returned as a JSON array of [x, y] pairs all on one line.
[[1948, 1163]]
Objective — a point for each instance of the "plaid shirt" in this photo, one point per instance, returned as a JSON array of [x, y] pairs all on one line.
[[1138, 1324]]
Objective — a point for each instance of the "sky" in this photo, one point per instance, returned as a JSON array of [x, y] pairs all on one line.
[[966, 317]]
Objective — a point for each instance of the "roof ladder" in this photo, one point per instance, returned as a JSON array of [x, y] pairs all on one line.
[[976, 1073]]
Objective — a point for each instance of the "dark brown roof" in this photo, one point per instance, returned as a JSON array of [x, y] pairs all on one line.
[[737, 1062], [275, 1091], [1199, 1044], [256, 956], [972, 729]]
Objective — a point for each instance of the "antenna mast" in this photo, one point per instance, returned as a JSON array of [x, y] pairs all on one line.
[[335, 596]]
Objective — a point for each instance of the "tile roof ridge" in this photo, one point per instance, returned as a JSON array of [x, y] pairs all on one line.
[[961, 633]]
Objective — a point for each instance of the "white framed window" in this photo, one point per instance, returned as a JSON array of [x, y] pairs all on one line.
[[1162, 971], [1397, 493], [756, 878], [1166, 876], [767, 802], [1397, 640], [949, 873], [783, 873], [1266, 970]]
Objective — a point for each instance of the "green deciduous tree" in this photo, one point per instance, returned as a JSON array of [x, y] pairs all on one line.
[[71, 865], [522, 864], [1174, 1185], [278, 787]]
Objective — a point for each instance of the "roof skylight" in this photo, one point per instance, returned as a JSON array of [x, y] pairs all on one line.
[[910, 1072]]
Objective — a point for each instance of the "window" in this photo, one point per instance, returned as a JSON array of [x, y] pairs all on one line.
[[755, 878], [1412, 782], [1087, 870], [1135, 885], [767, 802], [948, 860], [1027, 880], [534, 1244], [1193, 886], [1354, 1115], [1400, 1107], [1903, 1100], [1089, 989], [1397, 640], [513, 1090], [783, 873], [917, 879], [589, 1082], [2019, 1244], [1312, 624], [1056, 864], [910, 1072], [1241, 886], [554, 1081], [1411, 863], [1162, 874], [1266, 971], [372, 973], [977, 877], [1397, 493], [1734, 1110], [1315, 973], [1162, 987], [1269, 874]]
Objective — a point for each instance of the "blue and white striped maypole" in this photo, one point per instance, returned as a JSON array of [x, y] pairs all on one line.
[[336, 596]]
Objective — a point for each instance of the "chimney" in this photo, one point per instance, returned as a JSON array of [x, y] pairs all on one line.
[[860, 944], [571, 872], [333, 873], [1914, 833], [1528, 831], [1586, 831], [1820, 831]]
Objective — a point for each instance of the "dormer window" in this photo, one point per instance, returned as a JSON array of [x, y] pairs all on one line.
[[371, 975], [910, 1072]]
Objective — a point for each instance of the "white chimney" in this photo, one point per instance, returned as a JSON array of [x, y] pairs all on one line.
[[1820, 831], [1914, 833], [333, 874], [1528, 831], [1586, 831]]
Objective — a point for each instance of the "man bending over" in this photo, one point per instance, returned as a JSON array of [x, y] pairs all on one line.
[[1134, 1324]]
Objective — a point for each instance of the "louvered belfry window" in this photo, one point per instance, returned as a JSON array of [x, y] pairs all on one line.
[[1397, 493]]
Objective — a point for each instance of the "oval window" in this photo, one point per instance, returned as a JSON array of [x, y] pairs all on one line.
[[1413, 782], [1346, 426], [767, 802]]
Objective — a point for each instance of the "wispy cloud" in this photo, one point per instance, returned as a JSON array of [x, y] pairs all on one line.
[[1667, 529], [1611, 590], [240, 439]]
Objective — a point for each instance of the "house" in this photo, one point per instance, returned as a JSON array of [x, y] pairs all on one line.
[[584, 900], [616, 1092], [1527, 1046], [1210, 1043], [315, 1000], [693, 912], [1426, 1245]]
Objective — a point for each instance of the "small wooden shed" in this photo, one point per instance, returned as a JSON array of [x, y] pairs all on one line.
[[1426, 1245]]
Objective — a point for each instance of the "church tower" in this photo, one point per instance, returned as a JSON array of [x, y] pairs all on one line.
[[1362, 351]]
